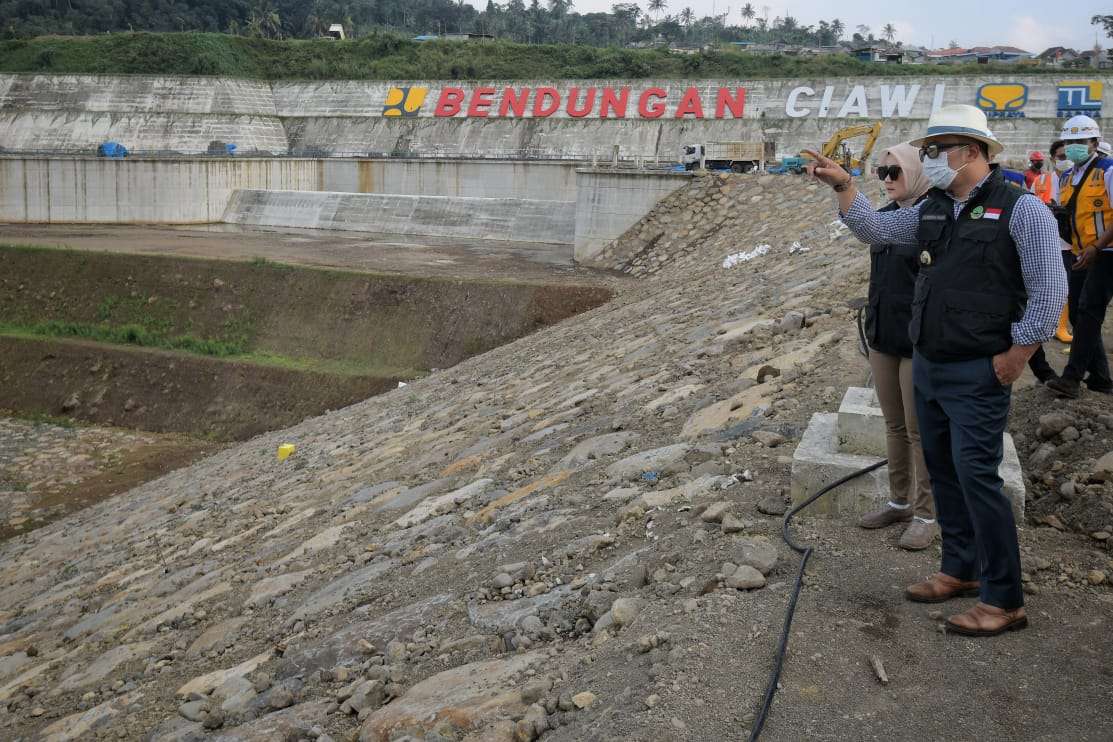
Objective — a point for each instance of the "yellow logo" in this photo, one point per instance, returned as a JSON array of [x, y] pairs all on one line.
[[1003, 100], [404, 101]]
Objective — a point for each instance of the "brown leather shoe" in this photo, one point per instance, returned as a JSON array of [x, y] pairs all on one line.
[[885, 516], [940, 588], [987, 620]]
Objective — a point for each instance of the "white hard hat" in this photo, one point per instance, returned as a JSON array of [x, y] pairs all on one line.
[[962, 120], [1080, 127], [1105, 148]]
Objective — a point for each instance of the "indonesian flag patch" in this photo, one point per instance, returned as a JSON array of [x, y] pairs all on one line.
[[994, 214]]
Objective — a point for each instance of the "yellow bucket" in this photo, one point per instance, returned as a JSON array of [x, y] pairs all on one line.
[[285, 451]]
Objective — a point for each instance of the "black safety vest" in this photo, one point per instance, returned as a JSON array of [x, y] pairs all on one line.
[[893, 271], [969, 289]]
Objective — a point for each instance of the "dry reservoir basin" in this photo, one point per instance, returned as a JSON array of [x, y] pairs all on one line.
[[227, 349]]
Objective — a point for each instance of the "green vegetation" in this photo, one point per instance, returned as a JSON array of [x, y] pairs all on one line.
[[130, 334], [385, 56], [139, 336]]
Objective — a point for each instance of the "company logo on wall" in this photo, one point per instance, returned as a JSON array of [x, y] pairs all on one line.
[[1003, 100], [1079, 97], [405, 102]]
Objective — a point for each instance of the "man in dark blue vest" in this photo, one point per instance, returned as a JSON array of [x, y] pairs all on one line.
[[990, 289]]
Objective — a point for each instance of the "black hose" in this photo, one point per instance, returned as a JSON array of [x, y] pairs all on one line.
[[782, 647]]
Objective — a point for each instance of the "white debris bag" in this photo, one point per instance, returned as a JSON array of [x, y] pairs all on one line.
[[742, 257]]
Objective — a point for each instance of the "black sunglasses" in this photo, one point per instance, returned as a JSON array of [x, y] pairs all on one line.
[[932, 150], [888, 171]]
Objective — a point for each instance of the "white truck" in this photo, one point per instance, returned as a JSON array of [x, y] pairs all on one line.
[[739, 157]]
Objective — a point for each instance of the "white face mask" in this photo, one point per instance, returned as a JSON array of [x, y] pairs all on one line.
[[1063, 165], [939, 171]]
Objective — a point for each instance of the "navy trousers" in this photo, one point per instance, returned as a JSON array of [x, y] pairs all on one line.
[[963, 411], [1087, 353]]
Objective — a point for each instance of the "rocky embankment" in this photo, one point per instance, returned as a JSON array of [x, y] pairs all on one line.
[[572, 537]]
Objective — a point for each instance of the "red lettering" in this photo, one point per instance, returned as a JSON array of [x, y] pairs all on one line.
[[514, 103], [589, 102], [737, 105], [656, 110], [450, 101], [690, 104], [481, 103], [616, 103], [541, 109]]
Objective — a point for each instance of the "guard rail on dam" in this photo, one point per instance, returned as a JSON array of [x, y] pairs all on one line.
[[554, 119]]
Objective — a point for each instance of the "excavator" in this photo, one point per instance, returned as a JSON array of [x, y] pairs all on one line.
[[838, 150]]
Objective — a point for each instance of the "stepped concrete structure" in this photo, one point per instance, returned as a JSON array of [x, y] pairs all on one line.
[[433, 216], [837, 444], [647, 119]]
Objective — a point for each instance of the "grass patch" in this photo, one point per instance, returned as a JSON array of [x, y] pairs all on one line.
[[389, 56], [127, 335], [41, 418], [137, 336]]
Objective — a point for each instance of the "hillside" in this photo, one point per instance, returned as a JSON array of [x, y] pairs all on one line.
[[575, 536], [384, 56]]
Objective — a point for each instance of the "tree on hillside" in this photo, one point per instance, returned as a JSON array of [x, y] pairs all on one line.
[[889, 32], [1105, 21]]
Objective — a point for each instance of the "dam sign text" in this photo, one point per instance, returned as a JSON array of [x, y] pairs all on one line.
[[574, 101]]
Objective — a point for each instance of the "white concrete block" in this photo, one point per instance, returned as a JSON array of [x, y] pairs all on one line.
[[861, 424], [818, 461]]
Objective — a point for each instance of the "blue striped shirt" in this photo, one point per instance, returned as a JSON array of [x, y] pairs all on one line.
[[1032, 227]]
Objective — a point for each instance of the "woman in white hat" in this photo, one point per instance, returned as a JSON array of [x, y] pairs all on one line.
[[989, 291]]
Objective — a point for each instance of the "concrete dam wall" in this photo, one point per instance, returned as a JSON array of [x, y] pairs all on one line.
[[536, 119], [192, 191]]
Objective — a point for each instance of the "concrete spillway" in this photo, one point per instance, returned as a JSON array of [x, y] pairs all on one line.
[[433, 216]]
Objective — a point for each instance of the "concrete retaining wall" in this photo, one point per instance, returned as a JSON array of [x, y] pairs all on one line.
[[518, 220], [68, 190], [609, 203], [75, 112]]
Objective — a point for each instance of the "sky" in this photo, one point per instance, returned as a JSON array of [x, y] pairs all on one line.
[[1032, 25]]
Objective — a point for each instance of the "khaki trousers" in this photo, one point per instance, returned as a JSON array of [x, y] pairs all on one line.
[[908, 478]]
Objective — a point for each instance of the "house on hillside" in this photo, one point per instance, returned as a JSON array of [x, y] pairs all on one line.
[[1095, 58], [885, 54], [979, 55], [1057, 56]]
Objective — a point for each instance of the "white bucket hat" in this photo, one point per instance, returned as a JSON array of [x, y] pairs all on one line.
[[961, 120]]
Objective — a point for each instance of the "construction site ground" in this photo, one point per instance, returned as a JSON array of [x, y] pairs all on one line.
[[575, 536]]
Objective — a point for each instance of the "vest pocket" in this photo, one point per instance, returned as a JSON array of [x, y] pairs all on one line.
[[896, 316], [976, 323], [919, 303]]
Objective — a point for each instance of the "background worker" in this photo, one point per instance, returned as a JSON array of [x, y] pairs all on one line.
[[1060, 164], [893, 271], [1039, 181], [1085, 193], [985, 247]]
